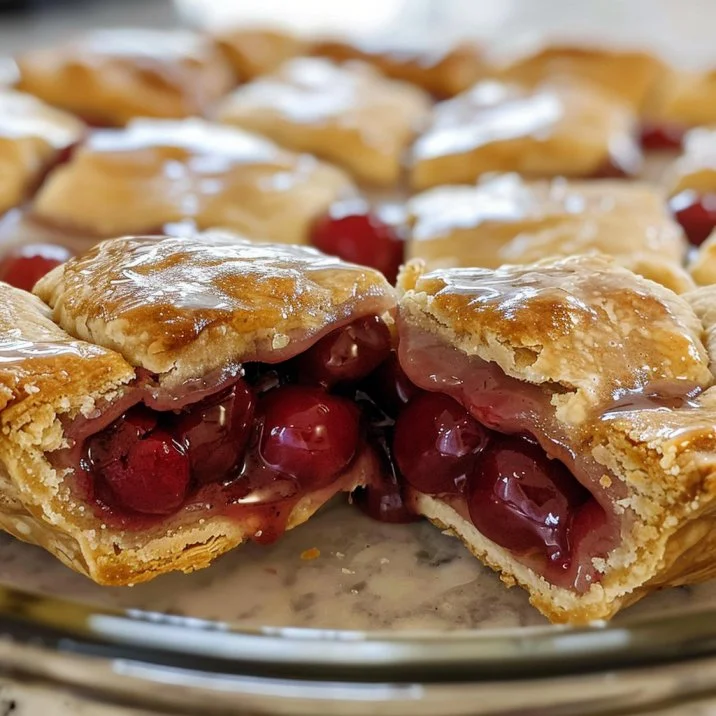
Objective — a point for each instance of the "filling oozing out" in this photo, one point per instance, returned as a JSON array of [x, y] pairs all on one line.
[[487, 445], [354, 232], [266, 438], [660, 136], [696, 213], [23, 266]]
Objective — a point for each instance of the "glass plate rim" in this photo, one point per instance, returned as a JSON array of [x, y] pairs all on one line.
[[215, 647]]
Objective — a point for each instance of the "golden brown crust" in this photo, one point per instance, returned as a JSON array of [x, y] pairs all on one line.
[[628, 74], [169, 171], [507, 220], [562, 128], [595, 330], [695, 169], [442, 72], [182, 307], [114, 75], [255, 51], [682, 99], [32, 136], [703, 264], [348, 114]]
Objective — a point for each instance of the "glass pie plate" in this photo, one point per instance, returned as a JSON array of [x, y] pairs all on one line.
[[344, 616]]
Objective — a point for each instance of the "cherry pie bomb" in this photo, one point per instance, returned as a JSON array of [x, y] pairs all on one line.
[[183, 395], [567, 470]]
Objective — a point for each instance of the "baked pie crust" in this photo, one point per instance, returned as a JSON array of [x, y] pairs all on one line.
[[33, 136], [561, 128], [168, 171], [682, 99], [348, 114], [442, 72], [505, 219], [254, 52], [607, 351], [110, 76], [628, 74], [165, 317]]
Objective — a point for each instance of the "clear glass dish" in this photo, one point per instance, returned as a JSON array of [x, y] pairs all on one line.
[[389, 620]]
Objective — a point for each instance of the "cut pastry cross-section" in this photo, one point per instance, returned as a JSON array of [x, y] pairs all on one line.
[[567, 435], [693, 185], [507, 220], [110, 76], [33, 137], [348, 114], [561, 128], [211, 403], [169, 171]]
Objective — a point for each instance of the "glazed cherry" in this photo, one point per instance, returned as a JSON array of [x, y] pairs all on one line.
[[389, 387], [216, 431], [346, 354], [523, 501], [308, 433], [354, 233], [696, 213], [24, 266], [661, 137], [144, 467], [437, 443]]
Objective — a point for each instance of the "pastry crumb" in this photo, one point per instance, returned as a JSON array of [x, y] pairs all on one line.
[[309, 554]]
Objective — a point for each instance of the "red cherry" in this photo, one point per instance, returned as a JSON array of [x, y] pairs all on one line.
[[437, 443], [661, 136], [24, 266], [145, 469], [216, 431], [347, 354], [696, 213], [523, 501], [354, 233], [308, 433], [389, 387]]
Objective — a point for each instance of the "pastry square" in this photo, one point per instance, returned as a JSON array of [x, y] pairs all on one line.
[[568, 435], [253, 51], [702, 266], [628, 74], [679, 100], [110, 76], [33, 137], [348, 114], [195, 412], [692, 185], [443, 72], [168, 171], [505, 219], [557, 129]]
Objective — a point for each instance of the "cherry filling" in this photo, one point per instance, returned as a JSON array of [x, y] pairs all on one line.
[[308, 434], [490, 447], [658, 137], [144, 466], [253, 448], [215, 433], [348, 355], [354, 233], [24, 266], [696, 213], [520, 499]]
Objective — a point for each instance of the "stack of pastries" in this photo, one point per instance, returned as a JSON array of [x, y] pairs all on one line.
[[242, 273]]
